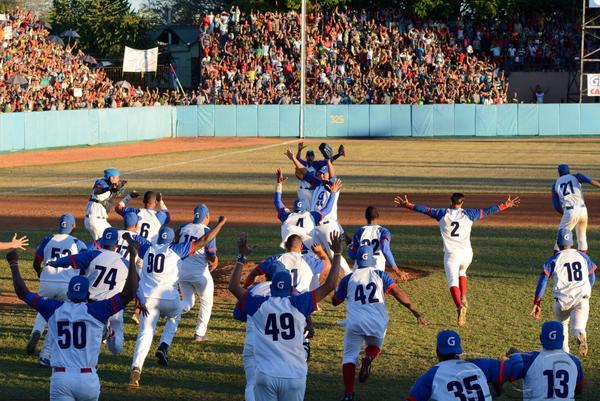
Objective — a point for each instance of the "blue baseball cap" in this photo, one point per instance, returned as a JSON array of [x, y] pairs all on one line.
[[79, 288], [281, 284], [563, 169], [110, 237], [66, 222], [200, 213], [564, 237], [448, 343], [166, 235], [300, 206], [274, 268], [552, 335], [364, 256], [310, 153], [111, 172], [130, 219]]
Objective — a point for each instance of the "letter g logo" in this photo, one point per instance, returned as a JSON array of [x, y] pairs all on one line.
[[452, 341], [76, 287], [552, 335], [281, 285]]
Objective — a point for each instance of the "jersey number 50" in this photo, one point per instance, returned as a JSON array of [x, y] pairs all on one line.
[[68, 334]]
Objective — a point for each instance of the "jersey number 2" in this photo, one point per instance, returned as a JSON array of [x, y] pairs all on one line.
[[455, 227]]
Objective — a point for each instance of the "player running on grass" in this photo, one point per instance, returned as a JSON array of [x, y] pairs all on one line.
[[455, 227], [364, 291]]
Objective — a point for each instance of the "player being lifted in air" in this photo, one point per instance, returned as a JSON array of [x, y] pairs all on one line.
[[100, 202]]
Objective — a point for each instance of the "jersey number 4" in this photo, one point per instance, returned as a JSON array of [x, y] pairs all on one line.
[[360, 296], [71, 334], [468, 385], [286, 326]]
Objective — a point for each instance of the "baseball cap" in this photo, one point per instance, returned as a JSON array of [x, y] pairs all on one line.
[[66, 222], [552, 335], [299, 205], [564, 237], [274, 268], [281, 284], [563, 169], [200, 212], [111, 172], [310, 153], [448, 343], [130, 219], [364, 256], [166, 235], [79, 288], [110, 236]]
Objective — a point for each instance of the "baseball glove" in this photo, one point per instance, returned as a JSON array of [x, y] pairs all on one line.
[[326, 150]]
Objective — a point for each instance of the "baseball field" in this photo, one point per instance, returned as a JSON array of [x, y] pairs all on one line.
[[235, 178]]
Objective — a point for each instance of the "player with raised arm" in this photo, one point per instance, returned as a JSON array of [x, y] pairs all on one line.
[[130, 225], [379, 238], [53, 282], [574, 275], [279, 320], [100, 202], [150, 219], [76, 328], [567, 199], [455, 227], [159, 291], [364, 291]]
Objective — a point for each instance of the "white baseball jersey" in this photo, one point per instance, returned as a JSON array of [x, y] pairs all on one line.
[[301, 223], [123, 245], [456, 377], [94, 207], [149, 224], [550, 375], [569, 190], [301, 267], [53, 247], [106, 270], [373, 235], [320, 197], [262, 289], [196, 264], [570, 270]]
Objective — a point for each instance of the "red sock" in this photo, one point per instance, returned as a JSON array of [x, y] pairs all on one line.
[[455, 292], [372, 351], [584, 251], [349, 371], [462, 281]]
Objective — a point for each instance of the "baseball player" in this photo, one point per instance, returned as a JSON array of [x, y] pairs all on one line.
[[106, 271], [567, 199], [456, 379], [379, 239], [573, 274], [76, 328], [195, 272], [367, 317], [280, 320], [130, 224], [158, 294], [455, 227], [103, 194], [53, 282], [550, 373], [150, 219]]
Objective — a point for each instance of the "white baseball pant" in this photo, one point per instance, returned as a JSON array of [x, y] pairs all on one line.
[[250, 371], [456, 265], [52, 290], [322, 236], [353, 343], [576, 219], [96, 226], [116, 341], [269, 388], [72, 385], [577, 315], [204, 286], [170, 308]]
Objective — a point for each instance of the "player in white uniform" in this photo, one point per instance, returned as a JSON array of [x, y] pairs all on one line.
[[151, 220], [455, 379], [455, 227], [158, 292], [550, 373], [76, 328], [195, 273], [100, 201], [567, 199], [130, 225], [574, 275], [379, 238], [53, 282], [364, 291], [279, 320], [107, 271]]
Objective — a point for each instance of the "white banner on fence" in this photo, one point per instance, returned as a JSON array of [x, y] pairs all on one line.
[[140, 60], [593, 81], [8, 33], [594, 3]]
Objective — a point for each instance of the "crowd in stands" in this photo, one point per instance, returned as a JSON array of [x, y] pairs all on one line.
[[353, 57]]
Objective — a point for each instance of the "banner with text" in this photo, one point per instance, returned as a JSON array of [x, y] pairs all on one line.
[[140, 60], [593, 81]]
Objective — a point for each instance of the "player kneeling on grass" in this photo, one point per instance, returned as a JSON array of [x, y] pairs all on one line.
[[573, 274], [366, 322], [280, 320], [455, 227], [159, 293], [76, 328]]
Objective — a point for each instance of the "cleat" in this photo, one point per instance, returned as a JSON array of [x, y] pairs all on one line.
[[44, 363], [582, 343], [199, 339], [134, 379], [365, 369], [462, 315], [32, 343], [135, 319], [162, 354], [348, 397], [464, 301]]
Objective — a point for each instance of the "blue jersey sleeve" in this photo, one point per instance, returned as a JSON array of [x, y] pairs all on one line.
[[39, 252], [143, 243], [437, 214], [312, 179], [316, 264], [555, 199], [580, 376], [44, 306], [101, 186], [250, 304], [81, 246], [102, 310], [317, 217], [183, 250], [282, 213], [330, 203], [78, 261], [238, 314], [163, 216], [306, 303], [421, 390], [385, 239], [584, 179], [265, 266], [211, 248], [492, 368], [353, 248], [540, 288], [388, 283], [478, 214], [341, 293], [126, 210], [518, 365]]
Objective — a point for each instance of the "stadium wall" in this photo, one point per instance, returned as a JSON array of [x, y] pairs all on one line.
[[51, 129]]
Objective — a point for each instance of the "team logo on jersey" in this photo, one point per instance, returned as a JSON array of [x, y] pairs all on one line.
[[452, 341], [77, 287], [552, 335]]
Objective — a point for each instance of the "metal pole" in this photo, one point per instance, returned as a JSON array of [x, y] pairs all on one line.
[[581, 62], [303, 68]]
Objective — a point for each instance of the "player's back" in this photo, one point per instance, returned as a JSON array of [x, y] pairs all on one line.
[[551, 376], [160, 272], [198, 262], [457, 379], [320, 198], [455, 227], [107, 273], [58, 246], [371, 235], [95, 207], [149, 224], [301, 271], [570, 271], [262, 289], [365, 302], [300, 221], [569, 191]]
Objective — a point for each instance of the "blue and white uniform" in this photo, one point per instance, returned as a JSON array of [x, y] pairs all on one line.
[[76, 329], [305, 187], [379, 239], [302, 268], [150, 220], [96, 216], [567, 199]]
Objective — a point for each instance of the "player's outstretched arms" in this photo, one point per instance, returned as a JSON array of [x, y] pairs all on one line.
[[512, 202], [301, 147], [294, 159], [401, 297], [15, 243], [235, 287], [336, 244], [209, 236], [595, 183], [19, 284], [131, 284]]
